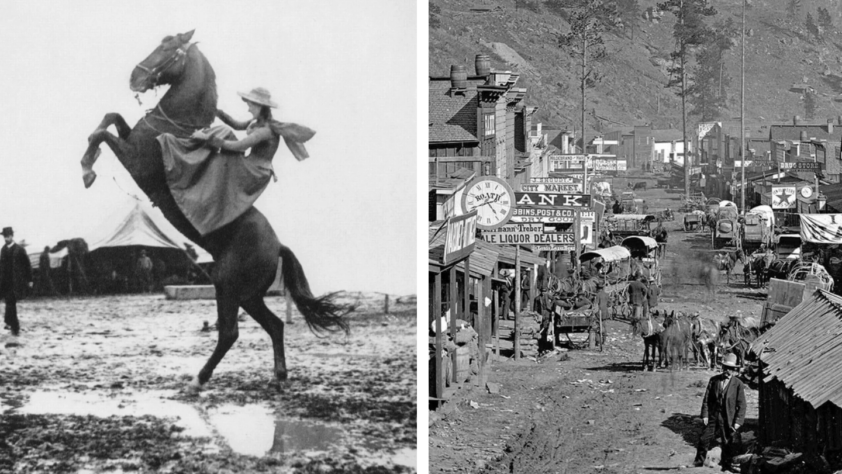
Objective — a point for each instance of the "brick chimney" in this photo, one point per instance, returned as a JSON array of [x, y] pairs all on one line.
[[830, 126]]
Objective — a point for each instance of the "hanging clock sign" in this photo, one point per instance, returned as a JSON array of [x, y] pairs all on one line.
[[492, 198]]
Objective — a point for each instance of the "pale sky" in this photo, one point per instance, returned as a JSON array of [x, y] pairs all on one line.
[[346, 69]]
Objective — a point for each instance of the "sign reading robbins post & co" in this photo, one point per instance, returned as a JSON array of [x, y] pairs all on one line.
[[460, 239]]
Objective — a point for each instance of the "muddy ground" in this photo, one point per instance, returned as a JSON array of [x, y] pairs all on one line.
[[98, 385], [585, 411]]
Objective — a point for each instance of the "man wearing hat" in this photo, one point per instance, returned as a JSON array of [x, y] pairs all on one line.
[[15, 278], [725, 403]]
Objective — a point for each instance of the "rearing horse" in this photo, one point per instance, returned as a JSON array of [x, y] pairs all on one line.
[[246, 250]]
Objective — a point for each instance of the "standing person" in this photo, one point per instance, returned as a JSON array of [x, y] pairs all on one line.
[[144, 272], [653, 295], [637, 297], [601, 303], [725, 403], [15, 278], [45, 282]]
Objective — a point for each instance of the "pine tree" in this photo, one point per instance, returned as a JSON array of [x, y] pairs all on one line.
[[629, 13], [707, 93], [812, 28], [584, 43], [689, 31], [825, 21]]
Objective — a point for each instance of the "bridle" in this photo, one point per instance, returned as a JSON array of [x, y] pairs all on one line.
[[156, 71]]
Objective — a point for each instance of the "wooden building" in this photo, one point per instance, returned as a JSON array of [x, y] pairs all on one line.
[[801, 382]]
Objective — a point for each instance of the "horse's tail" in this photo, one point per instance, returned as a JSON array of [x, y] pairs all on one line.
[[322, 314]]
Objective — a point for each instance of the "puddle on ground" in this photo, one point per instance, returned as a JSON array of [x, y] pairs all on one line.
[[254, 430], [128, 404]]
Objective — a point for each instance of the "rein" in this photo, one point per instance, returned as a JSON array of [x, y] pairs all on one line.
[[156, 71], [188, 128]]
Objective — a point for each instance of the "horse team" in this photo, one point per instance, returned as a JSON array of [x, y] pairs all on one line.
[[670, 337]]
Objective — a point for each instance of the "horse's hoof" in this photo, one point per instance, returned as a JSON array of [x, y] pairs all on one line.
[[89, 178], [194, 387]]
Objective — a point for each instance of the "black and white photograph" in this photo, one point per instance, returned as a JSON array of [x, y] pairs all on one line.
[[634, 248], [209, 213]]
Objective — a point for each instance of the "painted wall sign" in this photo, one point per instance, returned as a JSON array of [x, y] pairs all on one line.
[[460, 239]]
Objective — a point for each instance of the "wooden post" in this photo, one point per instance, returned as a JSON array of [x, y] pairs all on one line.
[[533, 287], [480, 333], [577, 230], [453, 303], [386, 310], [496, 316], [439, 345], [517, 302]]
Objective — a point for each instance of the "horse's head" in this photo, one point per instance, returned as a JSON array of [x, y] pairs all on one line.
[[165, 63]]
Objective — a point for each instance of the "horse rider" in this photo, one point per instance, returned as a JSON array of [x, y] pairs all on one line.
[[637, 298], [212, 186], [725, 403]]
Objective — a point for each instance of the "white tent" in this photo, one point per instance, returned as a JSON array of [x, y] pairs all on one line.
[[137, 223]]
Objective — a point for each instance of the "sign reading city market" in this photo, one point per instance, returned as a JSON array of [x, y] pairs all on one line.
[[783, 197], [552, 188], [527, 234], [552, 200]]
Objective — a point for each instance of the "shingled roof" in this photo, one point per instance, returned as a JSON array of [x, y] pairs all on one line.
[[804, 348], [453, 116]]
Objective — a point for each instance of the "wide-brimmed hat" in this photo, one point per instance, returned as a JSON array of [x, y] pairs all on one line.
[[730, 360], [8, 232], [259, 95]]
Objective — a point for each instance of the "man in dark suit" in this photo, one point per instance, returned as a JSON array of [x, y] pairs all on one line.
[[725, 403], [15, 278]]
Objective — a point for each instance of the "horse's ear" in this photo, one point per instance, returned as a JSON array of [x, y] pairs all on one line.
[[185, 37]]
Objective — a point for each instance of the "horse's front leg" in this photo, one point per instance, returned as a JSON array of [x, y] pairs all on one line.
[[100, 135]]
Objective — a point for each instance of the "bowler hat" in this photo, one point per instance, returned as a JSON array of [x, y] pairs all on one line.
[[8, 232], [259, 95], [730, 360]]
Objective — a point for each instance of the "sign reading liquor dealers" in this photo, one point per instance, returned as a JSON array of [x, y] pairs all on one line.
[[527, 234], [460, 239], [552, 200], [783, 197]]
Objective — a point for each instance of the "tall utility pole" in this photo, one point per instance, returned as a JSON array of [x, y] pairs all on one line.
[[584, 69], [684, 112], [743, 114]]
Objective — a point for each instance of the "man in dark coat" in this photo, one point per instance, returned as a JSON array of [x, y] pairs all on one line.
[[15, 278], [723, 412], [638, 293]]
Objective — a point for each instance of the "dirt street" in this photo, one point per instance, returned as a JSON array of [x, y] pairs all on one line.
[[97, 384], [585, 411]]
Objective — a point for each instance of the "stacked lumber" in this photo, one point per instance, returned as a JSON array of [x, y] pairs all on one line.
[[529, 329]]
